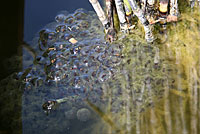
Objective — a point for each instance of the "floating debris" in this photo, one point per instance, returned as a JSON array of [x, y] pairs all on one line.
[[83, 114], [73, 41]]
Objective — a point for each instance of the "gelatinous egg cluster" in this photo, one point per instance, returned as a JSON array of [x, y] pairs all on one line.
[[73, 53]]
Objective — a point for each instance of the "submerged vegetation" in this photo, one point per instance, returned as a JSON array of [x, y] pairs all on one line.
[[178, 110]]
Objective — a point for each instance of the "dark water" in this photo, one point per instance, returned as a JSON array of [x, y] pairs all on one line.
[[38, 13]]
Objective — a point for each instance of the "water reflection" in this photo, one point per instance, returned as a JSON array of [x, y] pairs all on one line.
[[128, 87]]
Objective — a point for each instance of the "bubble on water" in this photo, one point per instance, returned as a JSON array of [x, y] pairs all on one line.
[[83, 114]]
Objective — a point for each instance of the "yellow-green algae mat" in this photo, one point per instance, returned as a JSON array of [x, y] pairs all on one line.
[[177, 111]]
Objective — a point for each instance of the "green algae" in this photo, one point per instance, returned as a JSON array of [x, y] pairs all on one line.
[[175, 81]]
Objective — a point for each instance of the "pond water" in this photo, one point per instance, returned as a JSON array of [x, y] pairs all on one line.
[[38, 13], [75, 82]]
